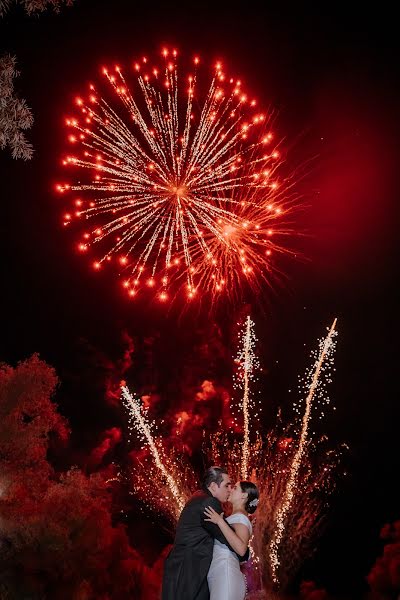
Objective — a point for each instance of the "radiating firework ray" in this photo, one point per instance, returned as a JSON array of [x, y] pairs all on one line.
[[142, 425], [324, 359], [183, 186], [247, 362]]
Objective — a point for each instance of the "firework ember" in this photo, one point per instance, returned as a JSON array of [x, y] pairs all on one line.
[[179, 180]]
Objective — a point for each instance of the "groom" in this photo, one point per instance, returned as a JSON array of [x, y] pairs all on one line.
[[187, 565]]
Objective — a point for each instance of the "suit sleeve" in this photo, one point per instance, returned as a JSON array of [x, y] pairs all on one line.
[[213, 529]]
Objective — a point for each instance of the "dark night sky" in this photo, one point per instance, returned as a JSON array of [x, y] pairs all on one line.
[[332, 74]]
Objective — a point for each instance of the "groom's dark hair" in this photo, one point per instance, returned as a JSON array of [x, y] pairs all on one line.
[[213, 474]]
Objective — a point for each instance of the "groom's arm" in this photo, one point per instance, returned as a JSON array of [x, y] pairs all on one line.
[[214, 530]]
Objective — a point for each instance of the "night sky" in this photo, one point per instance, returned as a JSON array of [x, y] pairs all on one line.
[[332, 76]]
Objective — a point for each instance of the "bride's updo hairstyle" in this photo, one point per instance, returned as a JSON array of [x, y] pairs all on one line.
[[251, 490]]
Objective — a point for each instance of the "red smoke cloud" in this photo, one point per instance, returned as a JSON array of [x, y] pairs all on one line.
[[209, 410], [110, 438], [310, 591], [117, 369], [384, 577]]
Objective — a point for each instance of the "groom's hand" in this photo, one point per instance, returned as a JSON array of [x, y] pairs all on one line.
[[246, 557], [212, 515]]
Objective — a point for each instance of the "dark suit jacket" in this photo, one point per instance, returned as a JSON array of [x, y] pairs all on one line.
[[187, 565]]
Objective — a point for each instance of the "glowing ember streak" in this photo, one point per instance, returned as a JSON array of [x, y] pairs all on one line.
[[326, 349], [246, 433], [183, 188], [248, 363], [144, 427]]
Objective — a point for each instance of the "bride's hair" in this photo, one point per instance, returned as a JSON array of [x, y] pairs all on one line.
[[251, 490]]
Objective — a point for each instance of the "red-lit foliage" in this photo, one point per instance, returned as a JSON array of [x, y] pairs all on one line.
[[56, 531], [34, 6], [384, 577], [15, 116]]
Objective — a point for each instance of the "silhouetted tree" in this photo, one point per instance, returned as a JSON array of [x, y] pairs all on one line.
[[57, 539], [15, 116], [33, 6]]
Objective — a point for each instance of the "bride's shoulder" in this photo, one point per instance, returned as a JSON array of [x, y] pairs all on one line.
[[239, 518]]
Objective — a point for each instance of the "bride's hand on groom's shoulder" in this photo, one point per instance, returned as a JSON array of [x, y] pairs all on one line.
[[212, 515]]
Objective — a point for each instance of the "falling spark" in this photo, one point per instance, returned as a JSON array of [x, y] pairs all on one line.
[[324, 358], [184, 188], [143, 426]]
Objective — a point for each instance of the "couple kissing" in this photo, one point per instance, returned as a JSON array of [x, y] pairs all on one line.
[[204, 563]]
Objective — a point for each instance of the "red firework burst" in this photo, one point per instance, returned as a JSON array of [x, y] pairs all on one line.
[[181, 187]]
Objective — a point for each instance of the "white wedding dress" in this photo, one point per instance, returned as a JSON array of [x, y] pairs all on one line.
[[225, 580]]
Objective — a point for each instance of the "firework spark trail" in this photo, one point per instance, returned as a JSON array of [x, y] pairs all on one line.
[[326, 348], [246, 424], [144, 427], [247, 362], [270, 461], [180, 191]]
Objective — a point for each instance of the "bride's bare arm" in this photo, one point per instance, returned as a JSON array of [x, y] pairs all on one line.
[[238, 539]]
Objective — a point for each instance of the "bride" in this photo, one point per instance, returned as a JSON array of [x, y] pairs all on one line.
[[225, 579]]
